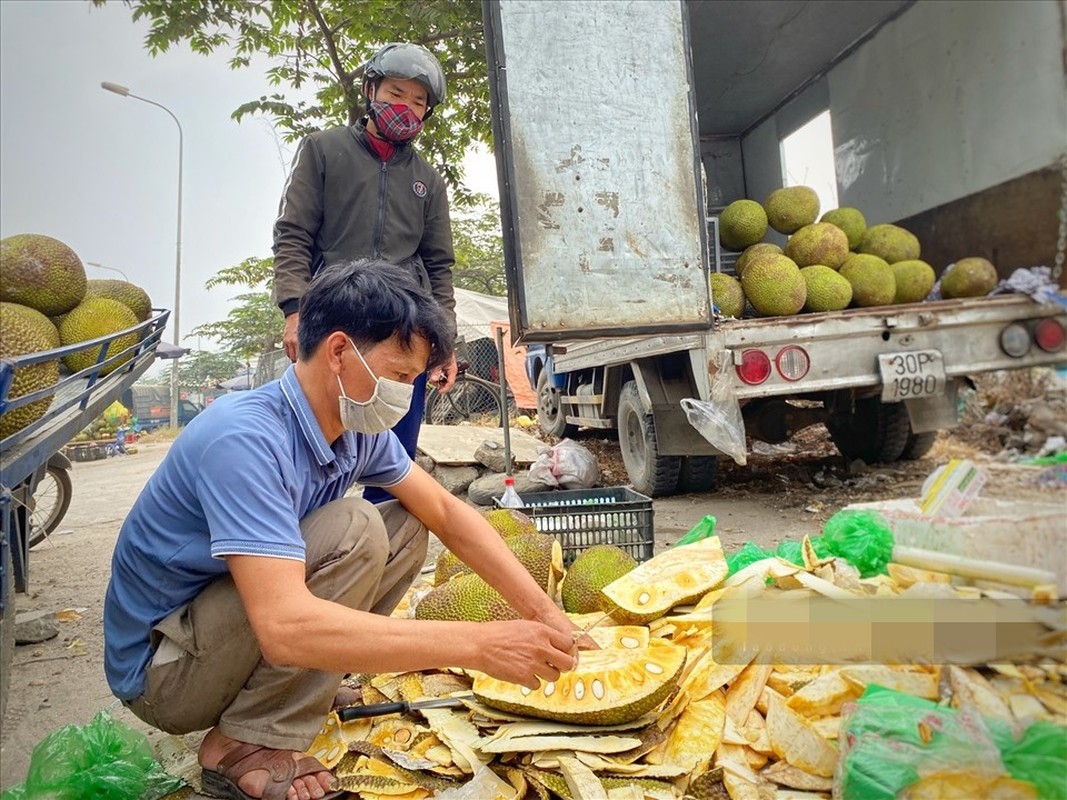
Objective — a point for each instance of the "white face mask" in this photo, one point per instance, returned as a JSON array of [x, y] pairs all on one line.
[[386, 407]]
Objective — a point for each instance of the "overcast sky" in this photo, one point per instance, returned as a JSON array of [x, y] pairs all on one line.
[[99, 171]]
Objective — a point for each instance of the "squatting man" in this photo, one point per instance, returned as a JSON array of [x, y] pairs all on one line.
[[245, 585]]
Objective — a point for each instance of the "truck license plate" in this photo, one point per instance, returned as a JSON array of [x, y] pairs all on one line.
[[919, 373]]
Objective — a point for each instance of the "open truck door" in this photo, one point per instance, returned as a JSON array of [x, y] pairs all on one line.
[[598, 162]]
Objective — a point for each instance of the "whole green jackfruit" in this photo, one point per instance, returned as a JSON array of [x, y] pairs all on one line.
[[818, 243], [92, 319], [851, 221], [593, 569], [790, 209], [969, 277], [743, 260], [872, 280], [891, 243], [827, 289], [741, 224], [40, 272], [509, 521], [540, 553], [465, 597], [727, 294], [914, 281], [774, 286], [21, 333], [130, 295]]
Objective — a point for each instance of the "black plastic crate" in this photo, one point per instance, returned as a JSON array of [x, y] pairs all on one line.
[[581, 518]]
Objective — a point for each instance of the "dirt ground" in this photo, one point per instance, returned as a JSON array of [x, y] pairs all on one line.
[[777, 496]]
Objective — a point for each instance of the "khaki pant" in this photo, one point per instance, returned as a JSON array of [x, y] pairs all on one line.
[[208, 670]]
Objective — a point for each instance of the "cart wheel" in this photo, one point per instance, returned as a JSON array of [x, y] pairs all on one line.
[[51, 500]]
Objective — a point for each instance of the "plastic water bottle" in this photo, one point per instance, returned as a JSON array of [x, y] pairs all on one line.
[[510, 498]]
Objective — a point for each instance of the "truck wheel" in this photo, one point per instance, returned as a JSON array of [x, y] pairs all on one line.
[[697, 474], [649, 472], [918, 445], [51, 499], [551, 415], [874, 431]]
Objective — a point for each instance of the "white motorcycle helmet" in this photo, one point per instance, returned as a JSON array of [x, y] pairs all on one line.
[[408, 61]]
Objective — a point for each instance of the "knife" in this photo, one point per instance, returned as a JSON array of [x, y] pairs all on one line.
[[349, 713]]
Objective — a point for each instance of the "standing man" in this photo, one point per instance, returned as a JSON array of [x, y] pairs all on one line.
[[245, 585], [363, 192]]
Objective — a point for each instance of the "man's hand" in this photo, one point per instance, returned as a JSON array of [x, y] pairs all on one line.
[[520, 652], [289, 340], [443, 377]]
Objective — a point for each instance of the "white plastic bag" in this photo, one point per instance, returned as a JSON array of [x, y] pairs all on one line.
[[566, 464], [719, 419]]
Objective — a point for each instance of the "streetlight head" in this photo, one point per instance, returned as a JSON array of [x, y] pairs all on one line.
[[115, 87]]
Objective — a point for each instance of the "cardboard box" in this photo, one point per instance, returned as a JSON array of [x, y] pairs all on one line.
[[1026, 534], [951, 488]]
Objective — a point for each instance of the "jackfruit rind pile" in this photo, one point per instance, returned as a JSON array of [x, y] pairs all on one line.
[[48, 302], [734, 724], [890, 271]]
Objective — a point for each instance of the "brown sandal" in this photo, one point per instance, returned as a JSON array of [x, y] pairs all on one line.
[[279, 764]]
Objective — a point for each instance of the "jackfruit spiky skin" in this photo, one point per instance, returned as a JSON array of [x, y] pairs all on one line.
[[818, 243], [827, 290], [743, 260], [465, 597], [21, 333], [774, 286], [727, 294], [969, 277], [130, 295], [593, 569], [890, 243], [851, 221], [914, 281], [741, 224], [790, 209], [872, 280], [540, 553], [92, 319], [41, 272], [509, 521]]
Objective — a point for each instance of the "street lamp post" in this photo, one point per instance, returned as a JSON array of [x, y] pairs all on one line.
[[125, 92], [105, 266]]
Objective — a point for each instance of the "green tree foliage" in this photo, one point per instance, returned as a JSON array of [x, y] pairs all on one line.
[[253, 326], [317, 47], [202, 369], [479, 248]]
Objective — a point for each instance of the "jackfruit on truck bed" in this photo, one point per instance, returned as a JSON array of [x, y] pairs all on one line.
[[742, 223], [969, 277], [890, 243], [607, 687], [21, 333], [750, 253], [773, 285], [790, 209], [40, 272], [727, 294], [873, 283], [818, 243], [827, 290], [851, 221], [914, 280]]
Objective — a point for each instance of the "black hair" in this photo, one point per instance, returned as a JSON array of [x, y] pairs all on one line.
[[372, 300]]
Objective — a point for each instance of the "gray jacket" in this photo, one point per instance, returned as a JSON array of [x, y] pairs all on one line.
[[341, 202]]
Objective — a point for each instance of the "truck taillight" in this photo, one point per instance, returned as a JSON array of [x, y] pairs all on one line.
[[1015, 340], [792, 363], [1049, 335], [755, 367]]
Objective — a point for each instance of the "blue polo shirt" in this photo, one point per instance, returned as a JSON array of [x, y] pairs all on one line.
[[236, 482]]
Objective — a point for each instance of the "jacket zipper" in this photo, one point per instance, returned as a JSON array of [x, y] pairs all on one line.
[[380, 226]]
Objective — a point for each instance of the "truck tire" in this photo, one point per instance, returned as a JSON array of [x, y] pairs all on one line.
[[551, 415], [697, 474], [7, 630], [918, 445], [874, 431], [649, 472]]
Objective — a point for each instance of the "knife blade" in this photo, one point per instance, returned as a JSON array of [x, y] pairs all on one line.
[[350, 713]]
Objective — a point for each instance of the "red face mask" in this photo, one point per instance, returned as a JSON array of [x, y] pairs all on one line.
[[395, 122]]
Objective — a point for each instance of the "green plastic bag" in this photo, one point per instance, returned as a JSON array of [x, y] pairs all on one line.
[[103, 760], [750, 553], [793, 552], [1039, 756], [863, 538], [702, 530]]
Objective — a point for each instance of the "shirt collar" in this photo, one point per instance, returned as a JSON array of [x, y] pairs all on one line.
[[309, 426]]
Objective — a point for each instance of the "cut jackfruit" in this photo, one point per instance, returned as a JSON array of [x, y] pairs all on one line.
[[677, 576], [607, 687]]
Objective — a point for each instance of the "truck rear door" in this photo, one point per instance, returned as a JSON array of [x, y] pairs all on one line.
[[598, 160]]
